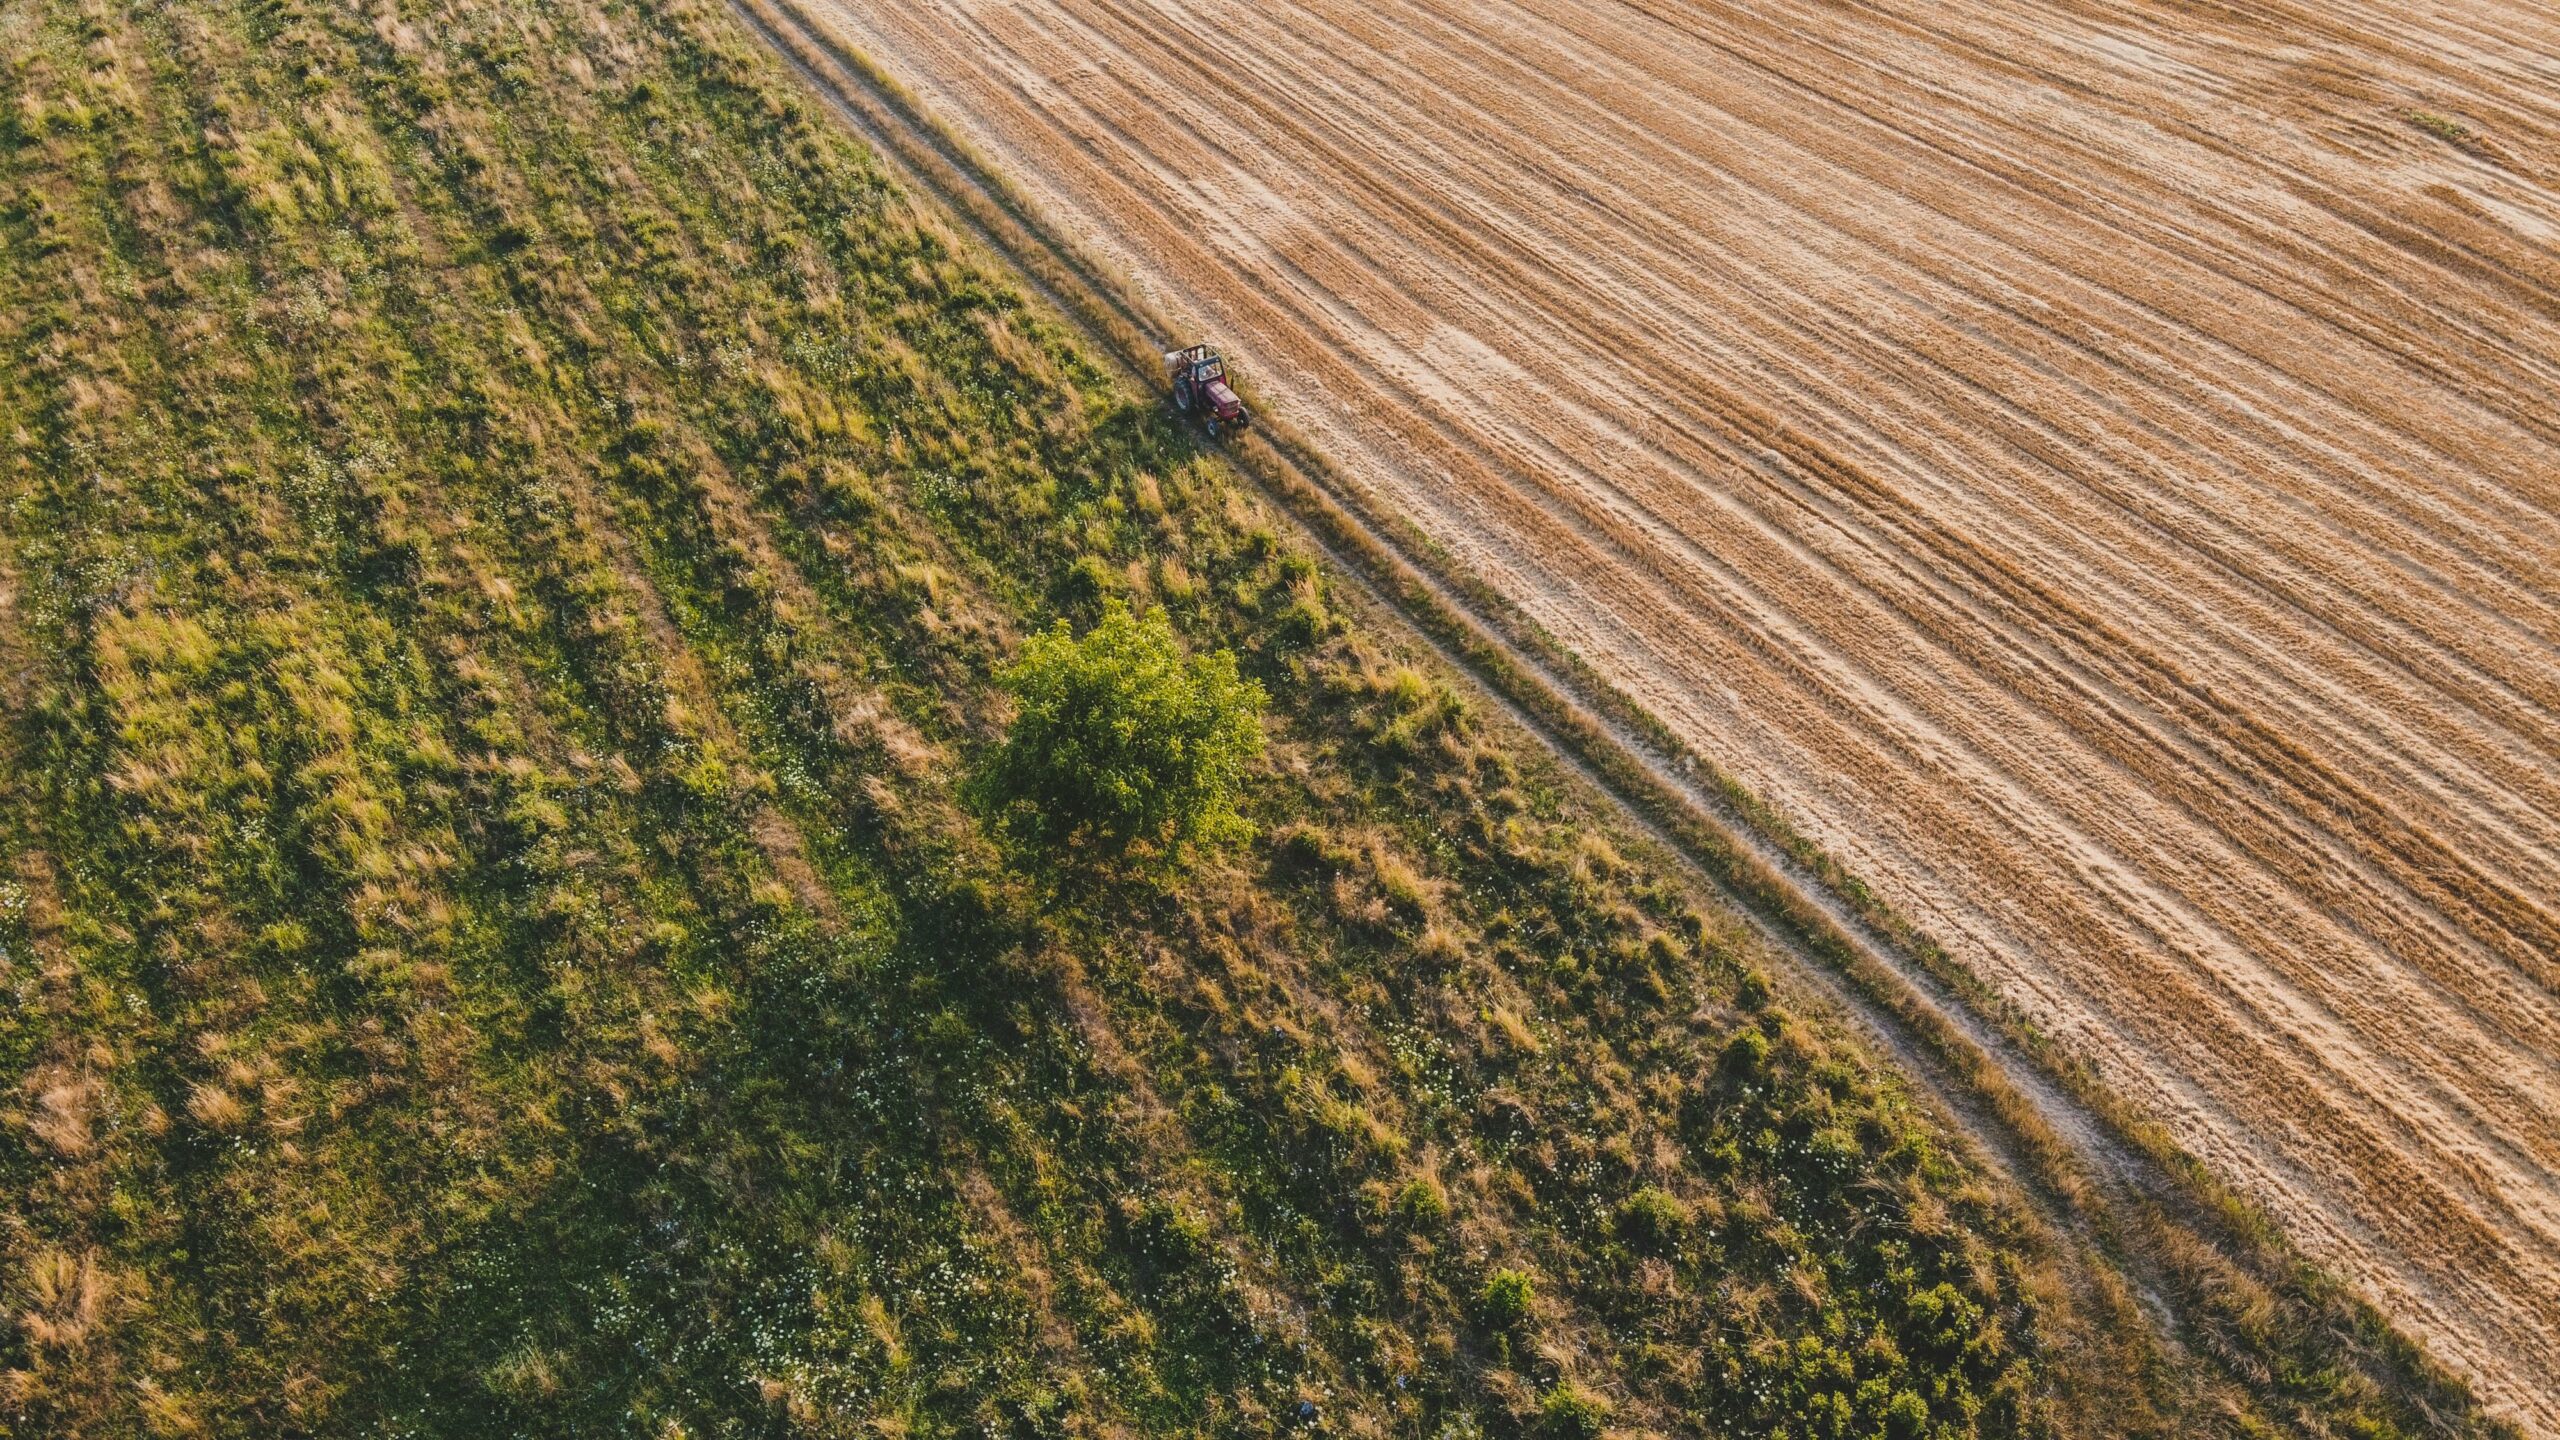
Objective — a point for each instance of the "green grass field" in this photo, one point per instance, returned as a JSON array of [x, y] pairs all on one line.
[[508, 527]]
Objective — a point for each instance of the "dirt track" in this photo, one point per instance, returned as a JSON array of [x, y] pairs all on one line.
[[2097, 470]]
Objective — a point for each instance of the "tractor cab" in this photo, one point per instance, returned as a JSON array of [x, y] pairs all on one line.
[[1200, 389]]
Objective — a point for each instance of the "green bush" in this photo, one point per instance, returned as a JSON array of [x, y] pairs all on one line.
[[1422, 1203], [1653, 1217], [1124, 742], [1572, 1413], [1746, 1055], [1505, 1301], [1906, 1417]]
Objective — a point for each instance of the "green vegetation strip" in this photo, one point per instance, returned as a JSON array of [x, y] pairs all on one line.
[[509, 527]]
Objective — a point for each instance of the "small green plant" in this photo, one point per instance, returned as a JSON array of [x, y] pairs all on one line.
[[1746, 1054], [1506, 1299], [1422, 1204], [2443, 127], [1570, 1412], [1653, 1217], [1124, 742]]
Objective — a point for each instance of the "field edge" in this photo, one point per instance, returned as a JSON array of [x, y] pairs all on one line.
[[2116, 1170]]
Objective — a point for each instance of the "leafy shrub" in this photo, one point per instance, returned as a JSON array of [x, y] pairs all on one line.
[[1653, 1217], [1124, 742], [1572, 1413], [1422, 1203], [1906, 1417], [1746, 1055], [1505, 1301]]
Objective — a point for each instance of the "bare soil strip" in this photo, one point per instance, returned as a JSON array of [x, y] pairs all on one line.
[[2093, 469]]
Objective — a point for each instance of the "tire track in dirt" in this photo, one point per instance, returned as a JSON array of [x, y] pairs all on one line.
[[2092, 470]]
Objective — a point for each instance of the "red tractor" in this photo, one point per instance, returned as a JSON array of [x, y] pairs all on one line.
[[1200, 390]]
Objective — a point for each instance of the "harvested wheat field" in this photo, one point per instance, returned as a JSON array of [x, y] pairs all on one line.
[[2094, 468]]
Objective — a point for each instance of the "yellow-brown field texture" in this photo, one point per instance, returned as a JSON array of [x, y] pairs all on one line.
[[533, 581], [2092, 468]]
